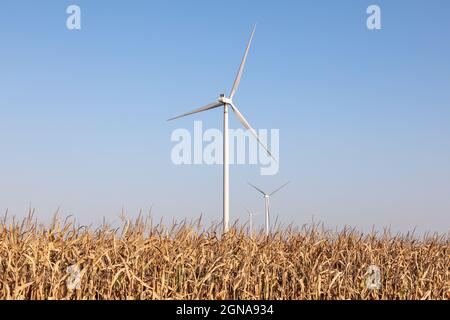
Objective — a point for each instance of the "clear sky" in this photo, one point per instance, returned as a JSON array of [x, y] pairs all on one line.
[[364, 116]]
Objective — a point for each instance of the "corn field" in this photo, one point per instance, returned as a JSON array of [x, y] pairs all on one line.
[[140, 260]]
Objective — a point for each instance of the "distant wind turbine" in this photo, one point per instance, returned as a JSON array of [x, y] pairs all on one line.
[[228, 102], [267, 204]]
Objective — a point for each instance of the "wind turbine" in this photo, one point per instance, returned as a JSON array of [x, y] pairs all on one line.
[[228, 102], [267, 204], [250, 216]]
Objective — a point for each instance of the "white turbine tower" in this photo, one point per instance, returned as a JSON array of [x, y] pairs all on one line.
[[251, 214], [228, 102], [267, 203]]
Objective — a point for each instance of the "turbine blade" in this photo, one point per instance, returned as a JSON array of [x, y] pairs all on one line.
[[284, 185], [241, 68], [258, 189], [207, 107], [247, 126]]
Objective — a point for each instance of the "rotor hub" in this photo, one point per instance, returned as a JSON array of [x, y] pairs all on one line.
[[225, 100]]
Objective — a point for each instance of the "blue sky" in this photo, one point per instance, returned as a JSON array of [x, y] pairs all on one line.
[[363, 115]]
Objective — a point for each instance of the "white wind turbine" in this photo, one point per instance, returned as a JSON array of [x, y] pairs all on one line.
[[228, 102], [267, 204], [251, 214]]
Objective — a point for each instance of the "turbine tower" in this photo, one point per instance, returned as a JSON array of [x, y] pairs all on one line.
[[267, 203], [227, 102]]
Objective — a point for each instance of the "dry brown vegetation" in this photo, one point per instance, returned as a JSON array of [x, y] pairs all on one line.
[[144, 261]]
